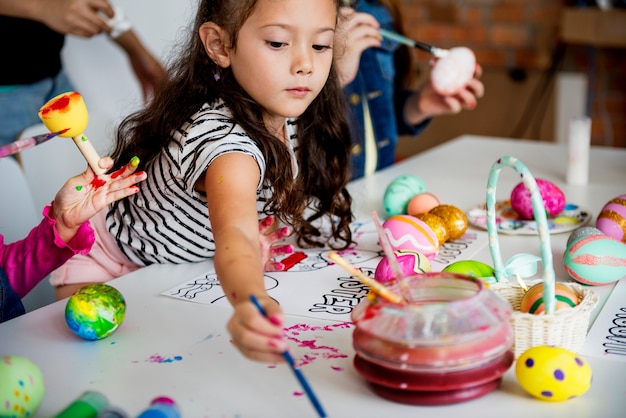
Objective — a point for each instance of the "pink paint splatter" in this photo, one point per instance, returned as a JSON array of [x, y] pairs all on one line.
[[314, 348], [155, 358]]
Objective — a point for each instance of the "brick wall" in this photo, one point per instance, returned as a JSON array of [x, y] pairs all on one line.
[[524, 34]]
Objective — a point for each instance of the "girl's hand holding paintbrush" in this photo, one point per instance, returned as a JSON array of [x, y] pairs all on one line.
[[258, 337]]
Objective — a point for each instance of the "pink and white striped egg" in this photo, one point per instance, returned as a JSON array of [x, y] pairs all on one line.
[[406, 232], [595, 260], [612, 218]]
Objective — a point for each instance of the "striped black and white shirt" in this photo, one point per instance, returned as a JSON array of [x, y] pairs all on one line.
[[168, 221]]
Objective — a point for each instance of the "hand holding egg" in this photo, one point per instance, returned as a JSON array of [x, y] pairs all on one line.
[[453, 72]]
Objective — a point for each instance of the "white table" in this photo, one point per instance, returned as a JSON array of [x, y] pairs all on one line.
[[209, 378]]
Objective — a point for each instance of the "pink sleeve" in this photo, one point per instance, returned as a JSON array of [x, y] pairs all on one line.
[[30, 260]]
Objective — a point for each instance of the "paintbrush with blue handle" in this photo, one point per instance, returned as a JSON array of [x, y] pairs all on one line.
[[303, 382]]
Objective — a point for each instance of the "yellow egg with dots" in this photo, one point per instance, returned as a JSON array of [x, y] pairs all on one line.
[[553, 373]]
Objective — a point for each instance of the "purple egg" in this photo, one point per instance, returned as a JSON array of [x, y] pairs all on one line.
[[612, 219]]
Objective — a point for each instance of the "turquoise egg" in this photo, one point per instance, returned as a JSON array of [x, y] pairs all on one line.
[[581, 232], [400, 191], [414, 183], [21, 387], [95, 311], [595, 259]]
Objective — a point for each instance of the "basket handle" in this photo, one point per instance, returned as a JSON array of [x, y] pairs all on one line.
[[539, 213]]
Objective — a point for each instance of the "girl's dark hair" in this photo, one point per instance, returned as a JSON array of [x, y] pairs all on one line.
[[323, 133]]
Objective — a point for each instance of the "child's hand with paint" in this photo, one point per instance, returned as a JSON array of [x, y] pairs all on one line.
[[84, 195], [271, 236], [258, 337]]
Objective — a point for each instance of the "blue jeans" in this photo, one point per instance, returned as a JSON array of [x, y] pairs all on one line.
[[10, 303], [19, 105]]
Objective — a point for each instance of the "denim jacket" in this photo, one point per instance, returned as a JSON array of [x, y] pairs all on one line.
[[10, 303], [375, 81]]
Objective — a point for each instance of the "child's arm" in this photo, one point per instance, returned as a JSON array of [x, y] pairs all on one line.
[[76, 17], [231, 183]]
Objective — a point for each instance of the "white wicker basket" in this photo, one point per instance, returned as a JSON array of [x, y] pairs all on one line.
[[565, 328]]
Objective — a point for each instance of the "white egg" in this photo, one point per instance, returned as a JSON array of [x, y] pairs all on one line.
[[452, 72]]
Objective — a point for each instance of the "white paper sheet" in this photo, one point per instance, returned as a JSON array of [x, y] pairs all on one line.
[[316, 287], [607, 336]]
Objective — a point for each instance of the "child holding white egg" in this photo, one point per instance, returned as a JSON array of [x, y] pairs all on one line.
[[63, 232], [251, 123], [376, 75]]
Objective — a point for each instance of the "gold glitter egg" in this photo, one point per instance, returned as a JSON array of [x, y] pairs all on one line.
[[437, 224], [454, 218]]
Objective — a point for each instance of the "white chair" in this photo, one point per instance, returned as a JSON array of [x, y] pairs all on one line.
[[47, 166], [18, 215]]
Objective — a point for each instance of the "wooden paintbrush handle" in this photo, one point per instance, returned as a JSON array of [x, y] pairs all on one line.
[[89, 152]]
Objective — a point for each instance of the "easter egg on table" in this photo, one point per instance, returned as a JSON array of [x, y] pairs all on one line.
[[405, 232], [473, 268], [400, 191], [552, 373], [451, 73], [552, 196], [21, 387], [582, 232], [533, 302], [595, 259], [436, 224], [95, 311], [612, 218], [410, 263], [454, 218], [422, 203]]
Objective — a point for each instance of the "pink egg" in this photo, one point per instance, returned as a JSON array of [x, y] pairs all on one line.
[[406, 232], [553, 199], [612, 218], [422, 203], [452, 72], [410, 263]]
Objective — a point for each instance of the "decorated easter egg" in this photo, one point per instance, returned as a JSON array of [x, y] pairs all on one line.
[[21, 387], [410, 263], [552, 373], [582, 232], [473, 268], [451, 73], [612, 218], [95, 311], [436, 224], [400, 191], [533, 302], [406, 232], [552, 196], [454, 218], [595, 259], [414, 183], [422, 203]]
